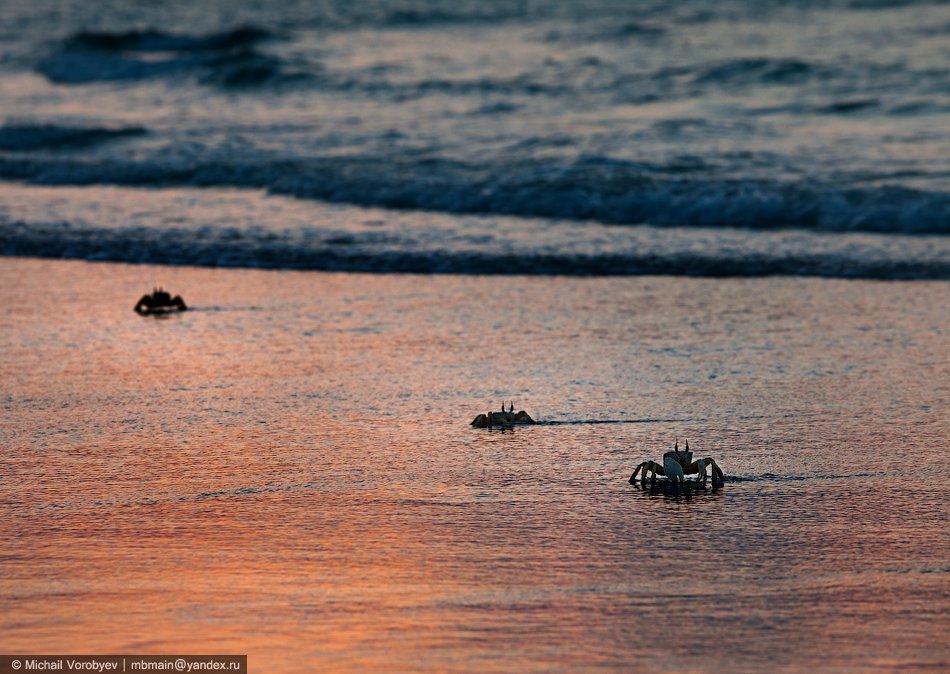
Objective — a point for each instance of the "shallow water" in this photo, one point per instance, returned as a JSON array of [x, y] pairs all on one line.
[[287, 471]]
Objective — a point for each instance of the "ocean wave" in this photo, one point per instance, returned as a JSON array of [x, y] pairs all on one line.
[[78, 67], [888, 4], [760, 70], [592, 188], [558, 77], [25, 137], [433, 252], [610, 31], [238, 58], [228, 59], [159, 41], [825, 87], [247, 67], [848, 106]]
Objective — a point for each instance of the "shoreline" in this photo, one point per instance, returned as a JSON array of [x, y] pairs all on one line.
[[248, 229], [474, 275]]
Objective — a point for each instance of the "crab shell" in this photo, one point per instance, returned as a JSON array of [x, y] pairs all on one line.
[[159, 302], [501, 419], [676, 466]]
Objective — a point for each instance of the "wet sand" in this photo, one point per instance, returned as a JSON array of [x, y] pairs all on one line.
[[287, 471]]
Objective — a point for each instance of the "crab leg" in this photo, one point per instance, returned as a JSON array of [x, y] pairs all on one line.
[[646, 467], [143, 305], [633, 478], [718, 477], [698, 467]]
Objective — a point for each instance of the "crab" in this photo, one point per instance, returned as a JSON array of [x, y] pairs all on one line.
[[159, 302], [676, 465], [503, 419]]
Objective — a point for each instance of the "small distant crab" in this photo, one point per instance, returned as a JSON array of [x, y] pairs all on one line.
[[159, 302], [676, 465], [503, 419]]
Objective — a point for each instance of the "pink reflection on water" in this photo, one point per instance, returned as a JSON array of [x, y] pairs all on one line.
[[288, 471]]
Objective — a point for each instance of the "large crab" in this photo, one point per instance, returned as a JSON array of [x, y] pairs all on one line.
[[676, 465], [503, 419], [159, 302]]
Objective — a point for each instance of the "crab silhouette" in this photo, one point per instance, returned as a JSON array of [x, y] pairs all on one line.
[[677, 464], [159, 302], [503, 419]]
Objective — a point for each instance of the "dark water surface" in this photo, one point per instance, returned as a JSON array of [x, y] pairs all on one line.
[[287, 471]]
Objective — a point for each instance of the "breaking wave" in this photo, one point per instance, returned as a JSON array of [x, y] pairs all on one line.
[[416, 252], [597, 189]]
